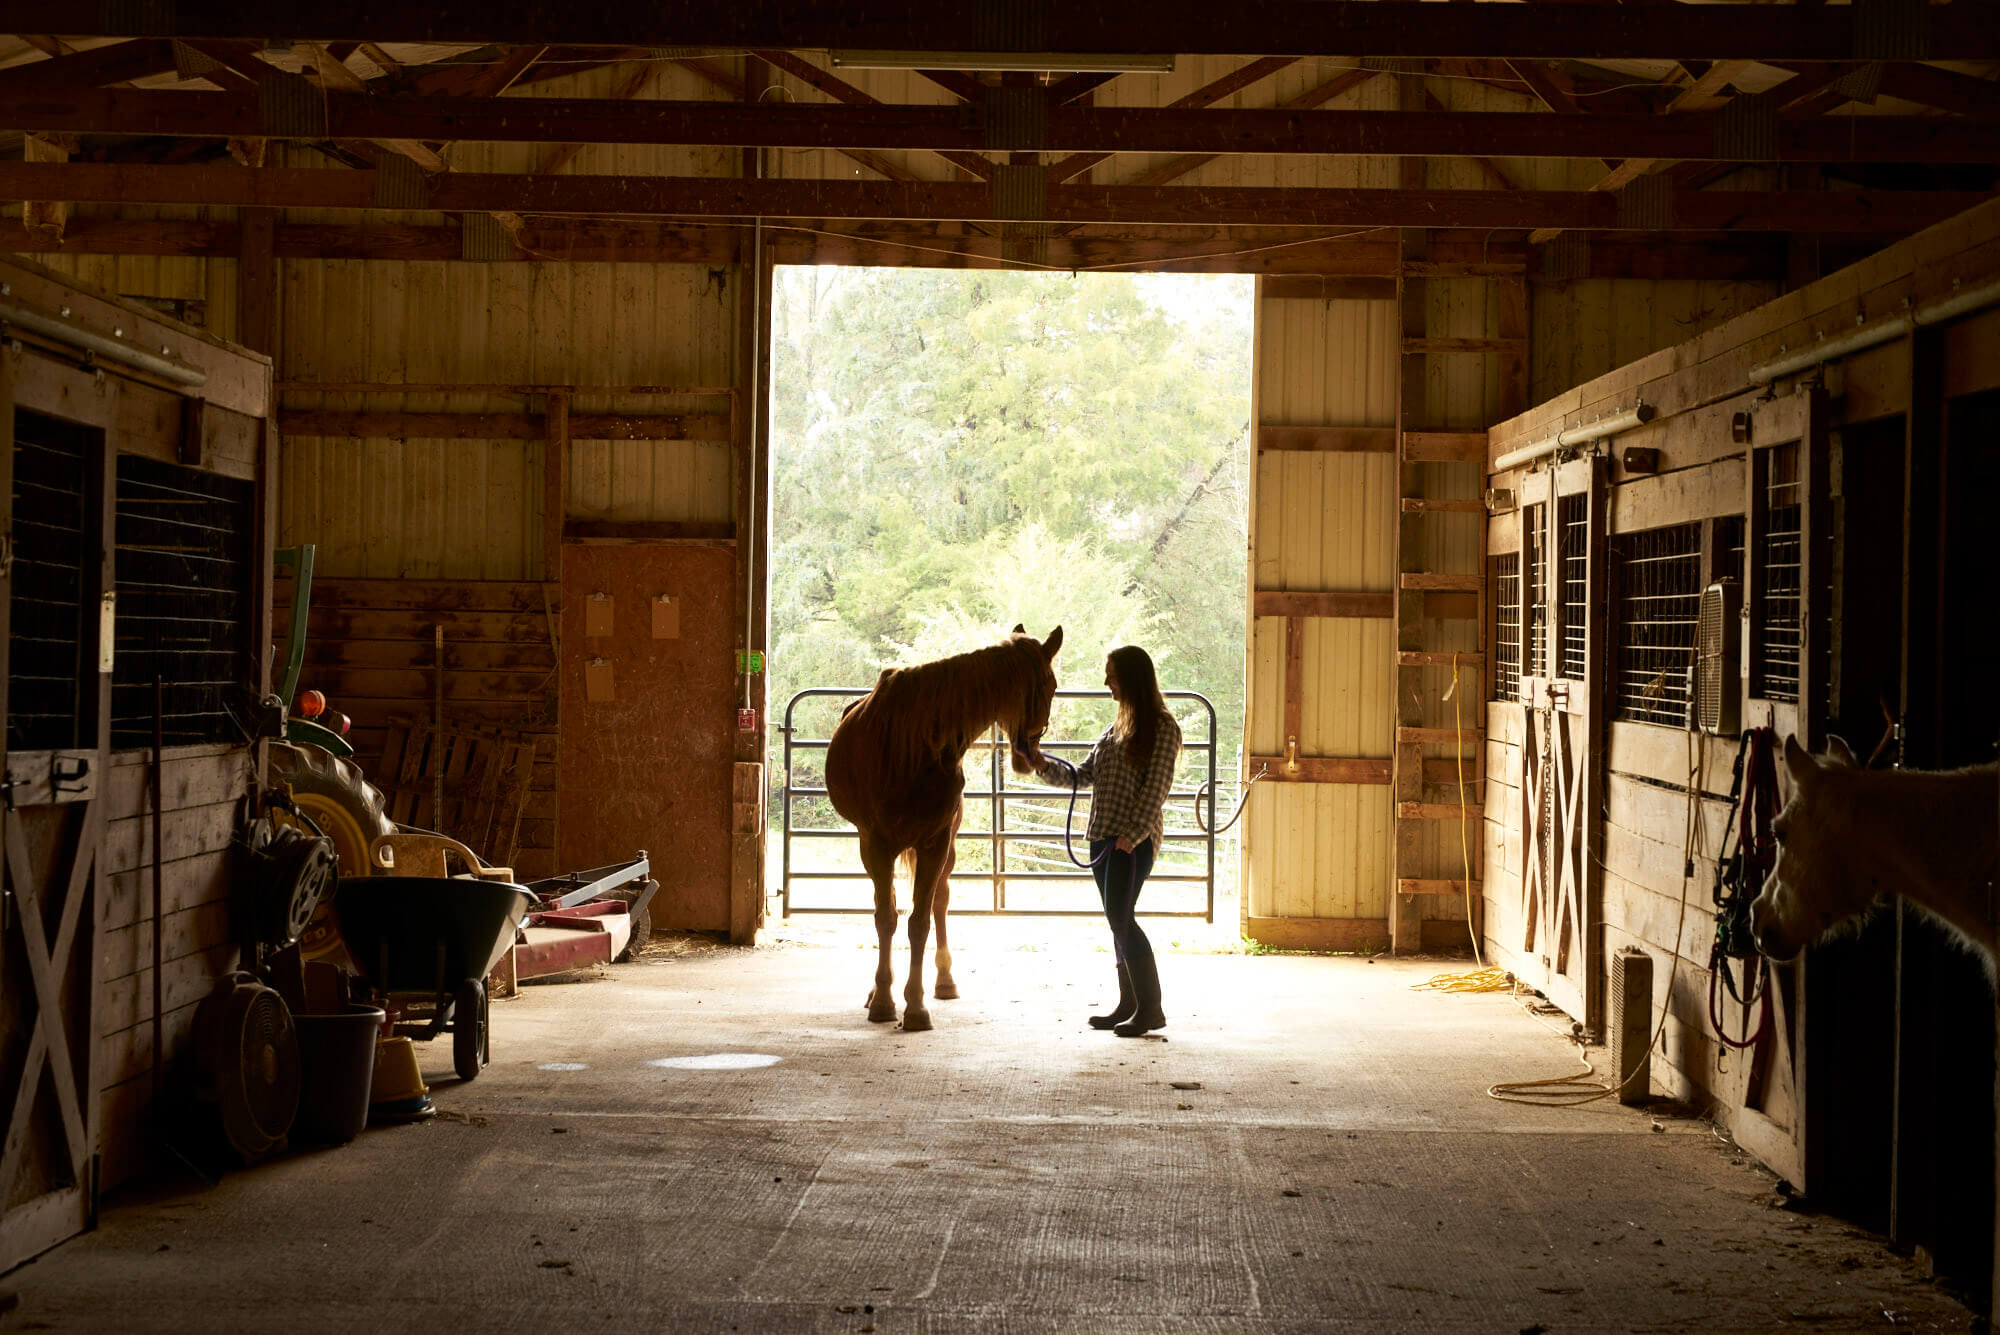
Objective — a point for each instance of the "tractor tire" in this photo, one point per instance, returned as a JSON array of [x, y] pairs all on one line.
[[334, 793]]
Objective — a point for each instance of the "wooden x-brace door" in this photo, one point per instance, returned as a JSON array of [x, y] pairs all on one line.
[[56, 702], [1563, 623]]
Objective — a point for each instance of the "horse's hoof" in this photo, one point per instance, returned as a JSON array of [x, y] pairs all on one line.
[[916, 1021], [881, 1014], [946, 992]]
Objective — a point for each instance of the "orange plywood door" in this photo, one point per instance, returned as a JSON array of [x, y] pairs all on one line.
[[648, 719]]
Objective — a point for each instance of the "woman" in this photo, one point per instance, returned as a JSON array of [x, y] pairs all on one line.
[[1131, 770]]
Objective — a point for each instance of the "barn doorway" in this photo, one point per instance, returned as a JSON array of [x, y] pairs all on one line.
[[955, 451]]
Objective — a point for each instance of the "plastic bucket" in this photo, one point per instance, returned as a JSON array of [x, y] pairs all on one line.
[[337, 1061]]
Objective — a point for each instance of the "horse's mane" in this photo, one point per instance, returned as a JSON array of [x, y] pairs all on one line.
[[934, 710]]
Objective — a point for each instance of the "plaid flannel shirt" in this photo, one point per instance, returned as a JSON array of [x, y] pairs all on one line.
[[1126, 798]]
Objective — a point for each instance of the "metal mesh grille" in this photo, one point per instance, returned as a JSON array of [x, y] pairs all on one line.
[[1573, 517], [1729, 548], [1507, 627], [1535, 595], [184, 601], [1779, 635], [1659, 608], [46, 644]]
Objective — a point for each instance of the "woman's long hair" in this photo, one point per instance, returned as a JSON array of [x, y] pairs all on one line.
[[1140, 704]]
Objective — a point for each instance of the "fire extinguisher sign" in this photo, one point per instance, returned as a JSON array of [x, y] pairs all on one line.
[[746, 720]]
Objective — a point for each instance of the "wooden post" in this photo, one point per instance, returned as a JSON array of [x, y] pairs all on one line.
[[1412, 414], [1910, 1199], [257, 281], [752, 512], [555, 469]]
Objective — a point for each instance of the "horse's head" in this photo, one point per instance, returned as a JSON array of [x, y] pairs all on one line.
[[1025, 729], [1824, 877]]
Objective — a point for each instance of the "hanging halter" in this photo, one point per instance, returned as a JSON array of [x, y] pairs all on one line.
[[1739, 878]]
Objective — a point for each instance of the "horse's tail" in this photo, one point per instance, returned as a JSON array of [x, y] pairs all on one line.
[[906, 863]]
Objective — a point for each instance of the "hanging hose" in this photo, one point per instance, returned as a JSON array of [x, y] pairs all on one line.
[[1243, 800]]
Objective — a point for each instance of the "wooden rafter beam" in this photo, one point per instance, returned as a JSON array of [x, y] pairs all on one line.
[[715, 76], [1318, 95], [1091, 133], [840, 90], [958, 83], [563, 154], [117, 63], [1207, 95], [1276, 27], [734, 197], [1076, 87], [1370, 263]]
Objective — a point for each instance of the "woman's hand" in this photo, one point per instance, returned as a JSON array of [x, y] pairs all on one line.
[[1125, 845]]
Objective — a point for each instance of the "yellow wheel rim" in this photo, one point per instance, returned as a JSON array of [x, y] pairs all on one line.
[[350, 842]]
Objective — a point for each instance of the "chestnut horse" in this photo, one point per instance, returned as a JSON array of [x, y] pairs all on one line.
[[1850, 835], [895, 768]]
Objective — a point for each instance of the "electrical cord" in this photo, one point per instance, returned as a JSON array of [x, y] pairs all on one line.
[[1487, 977], [1569, 1091]]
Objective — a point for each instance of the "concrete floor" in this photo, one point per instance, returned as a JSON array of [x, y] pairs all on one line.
[[1339, 1168]]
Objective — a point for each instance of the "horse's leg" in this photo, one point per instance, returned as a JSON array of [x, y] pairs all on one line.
[[947, 988], [930, 863], [881, 867]]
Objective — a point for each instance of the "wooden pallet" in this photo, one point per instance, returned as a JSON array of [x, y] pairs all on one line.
[[486, 774]]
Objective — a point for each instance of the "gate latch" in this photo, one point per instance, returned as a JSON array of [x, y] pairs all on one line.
[[68, 774]]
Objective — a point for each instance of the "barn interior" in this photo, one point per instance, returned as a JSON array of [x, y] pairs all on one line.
[[388, 525]]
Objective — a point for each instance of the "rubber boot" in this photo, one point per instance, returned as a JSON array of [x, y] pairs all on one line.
[[1146, 983], [1127, 1001]]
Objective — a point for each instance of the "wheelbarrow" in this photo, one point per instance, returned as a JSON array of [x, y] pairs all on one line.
[[433, 939], [578, 918]]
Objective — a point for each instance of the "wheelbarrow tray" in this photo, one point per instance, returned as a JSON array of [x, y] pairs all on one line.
[[424, 934]]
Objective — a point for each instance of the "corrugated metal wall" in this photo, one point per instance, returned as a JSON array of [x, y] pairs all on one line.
[[472, 509], [1323, 521]]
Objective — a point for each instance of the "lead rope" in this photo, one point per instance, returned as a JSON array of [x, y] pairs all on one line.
[[1069, 819]]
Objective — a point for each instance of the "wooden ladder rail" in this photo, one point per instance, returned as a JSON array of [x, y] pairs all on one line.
[[1425, 598]]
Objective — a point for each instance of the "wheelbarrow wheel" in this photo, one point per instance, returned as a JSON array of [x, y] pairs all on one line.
[[469, 1047]]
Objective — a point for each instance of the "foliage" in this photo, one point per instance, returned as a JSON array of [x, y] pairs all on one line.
[[955, 451]]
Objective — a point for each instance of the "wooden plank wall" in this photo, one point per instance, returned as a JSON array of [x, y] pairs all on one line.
[[1696, 387], [371, 649], [201, 793]]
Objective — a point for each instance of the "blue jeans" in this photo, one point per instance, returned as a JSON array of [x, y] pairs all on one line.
[[1120, 877]]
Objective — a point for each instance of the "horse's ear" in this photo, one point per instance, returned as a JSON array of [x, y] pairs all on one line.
[[1020, 629], [1840, 753], [1053, 643], [1800, 762]]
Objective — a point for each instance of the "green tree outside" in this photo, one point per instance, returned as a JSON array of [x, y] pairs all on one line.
[[956, 451]]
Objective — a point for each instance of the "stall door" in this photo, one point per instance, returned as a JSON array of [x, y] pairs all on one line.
[[1563, 613], [649, 719], [55, 574]]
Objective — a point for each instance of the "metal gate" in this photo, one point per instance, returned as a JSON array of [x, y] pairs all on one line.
[[1021, 843]]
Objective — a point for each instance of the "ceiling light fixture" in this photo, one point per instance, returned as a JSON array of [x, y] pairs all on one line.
[[1068, 62]]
